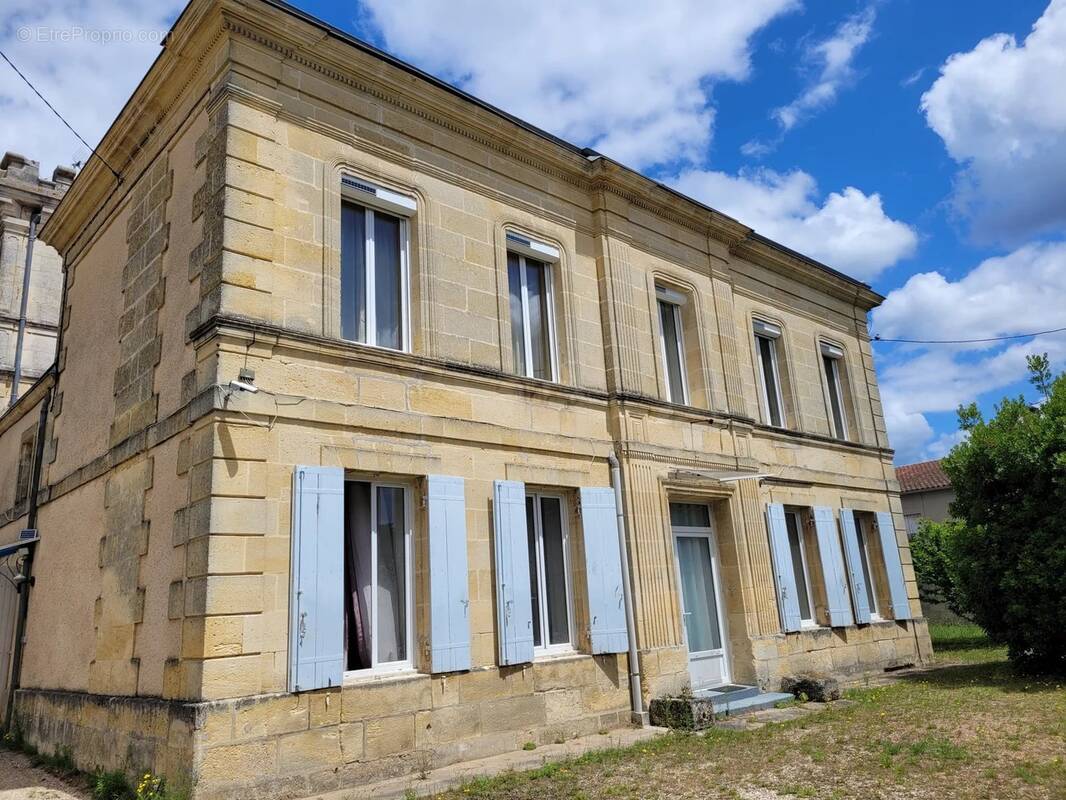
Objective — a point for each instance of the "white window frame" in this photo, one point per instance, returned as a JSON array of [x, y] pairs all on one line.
[[831, 358], [863, 529], [772, 334], [549, 287], [674, 300], [407, 664], [375, 200], [797, 517], [545, 649]]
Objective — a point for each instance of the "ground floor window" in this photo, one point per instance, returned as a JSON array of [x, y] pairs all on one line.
[[549, 573], [864, 532], [377, 576], [798, 547]]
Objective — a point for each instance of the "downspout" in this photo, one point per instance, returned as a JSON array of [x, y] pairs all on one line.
[[35, 217], [635, 697], [24, 579]]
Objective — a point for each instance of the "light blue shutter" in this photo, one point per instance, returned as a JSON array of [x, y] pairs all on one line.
[[449, 593], [603, 571], [897, 587], [836, 582], [514, 602], [787, 596], [853, 556], [316, 608]]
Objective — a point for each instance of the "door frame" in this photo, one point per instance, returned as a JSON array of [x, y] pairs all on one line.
[[710, 536]]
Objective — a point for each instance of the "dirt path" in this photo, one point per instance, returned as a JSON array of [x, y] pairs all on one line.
[[20, 780]]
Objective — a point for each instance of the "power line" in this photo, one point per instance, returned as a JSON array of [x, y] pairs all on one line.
[[53, 110], [878, 338]]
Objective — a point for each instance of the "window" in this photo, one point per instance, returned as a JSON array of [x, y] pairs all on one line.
[[912, 521], [549, 573], [529, 279], [671, 344], [798, 547], [766, 337], [863, 532], [25, 466], [377, 576], [831, 357], [374, 265]]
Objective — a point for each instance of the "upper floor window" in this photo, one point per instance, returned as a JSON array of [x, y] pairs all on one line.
[[766, 339], [375, 282], [25, 465], [529, 280], [831, 358], [671, 343]]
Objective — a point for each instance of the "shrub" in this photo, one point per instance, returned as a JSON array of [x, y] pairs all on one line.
[[1008, 557], [934, 565]]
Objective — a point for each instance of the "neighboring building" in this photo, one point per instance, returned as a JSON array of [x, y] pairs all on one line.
[[926, 493], [401, 551], [24, 195]]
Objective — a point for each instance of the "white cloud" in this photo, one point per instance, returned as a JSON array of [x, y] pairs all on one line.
[[628, 80], [847, 230], [1001, 111], [833, 58], [1021, 292], [86, 57]]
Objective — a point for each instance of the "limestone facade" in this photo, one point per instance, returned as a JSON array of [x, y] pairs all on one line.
[[24, 193], [161, 610]]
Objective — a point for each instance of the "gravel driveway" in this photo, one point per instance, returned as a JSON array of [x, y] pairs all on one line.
[[20, 780]]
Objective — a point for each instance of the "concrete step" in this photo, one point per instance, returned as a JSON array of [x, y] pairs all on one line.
[[731, 706], [730, 692]]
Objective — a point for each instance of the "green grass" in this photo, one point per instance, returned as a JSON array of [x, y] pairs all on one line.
[[969, 729]]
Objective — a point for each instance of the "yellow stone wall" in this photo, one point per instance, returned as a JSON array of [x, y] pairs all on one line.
[[169, 496]]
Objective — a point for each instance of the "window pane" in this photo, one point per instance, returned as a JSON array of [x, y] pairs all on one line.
[[388, 281], [867, 576], [769, 376], [697, 592], [358, 577], [832, 376], [537, 293], [518, 341], [391, 629], [671, 345], [554, 570], [353, 272], [690, 515], [534, 569], [795, 543]]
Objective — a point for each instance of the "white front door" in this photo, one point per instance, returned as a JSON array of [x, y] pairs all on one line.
[[701, 607]]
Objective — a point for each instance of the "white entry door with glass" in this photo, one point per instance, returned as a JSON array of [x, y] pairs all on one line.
[[699, 574]]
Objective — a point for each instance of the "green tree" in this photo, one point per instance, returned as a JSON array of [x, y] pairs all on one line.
[[933, 555], [1008, 553]]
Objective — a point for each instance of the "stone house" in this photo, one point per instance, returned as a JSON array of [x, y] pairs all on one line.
[[26, 202], [925, 493], [327, 486]]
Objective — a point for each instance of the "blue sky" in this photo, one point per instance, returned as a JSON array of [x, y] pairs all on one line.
[[911, 144]]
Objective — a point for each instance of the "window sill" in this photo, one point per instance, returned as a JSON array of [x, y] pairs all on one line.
[[374, 677], [558, 655]]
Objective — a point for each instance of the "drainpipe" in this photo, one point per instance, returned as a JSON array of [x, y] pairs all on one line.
[[24, 579], [635, 697], [35, 217]]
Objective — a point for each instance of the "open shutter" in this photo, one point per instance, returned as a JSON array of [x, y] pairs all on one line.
[[449, 593], [836, 582], [316, 607], [853, 557], [603, 571], [514, 603], [787, 596], [897, 587]]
